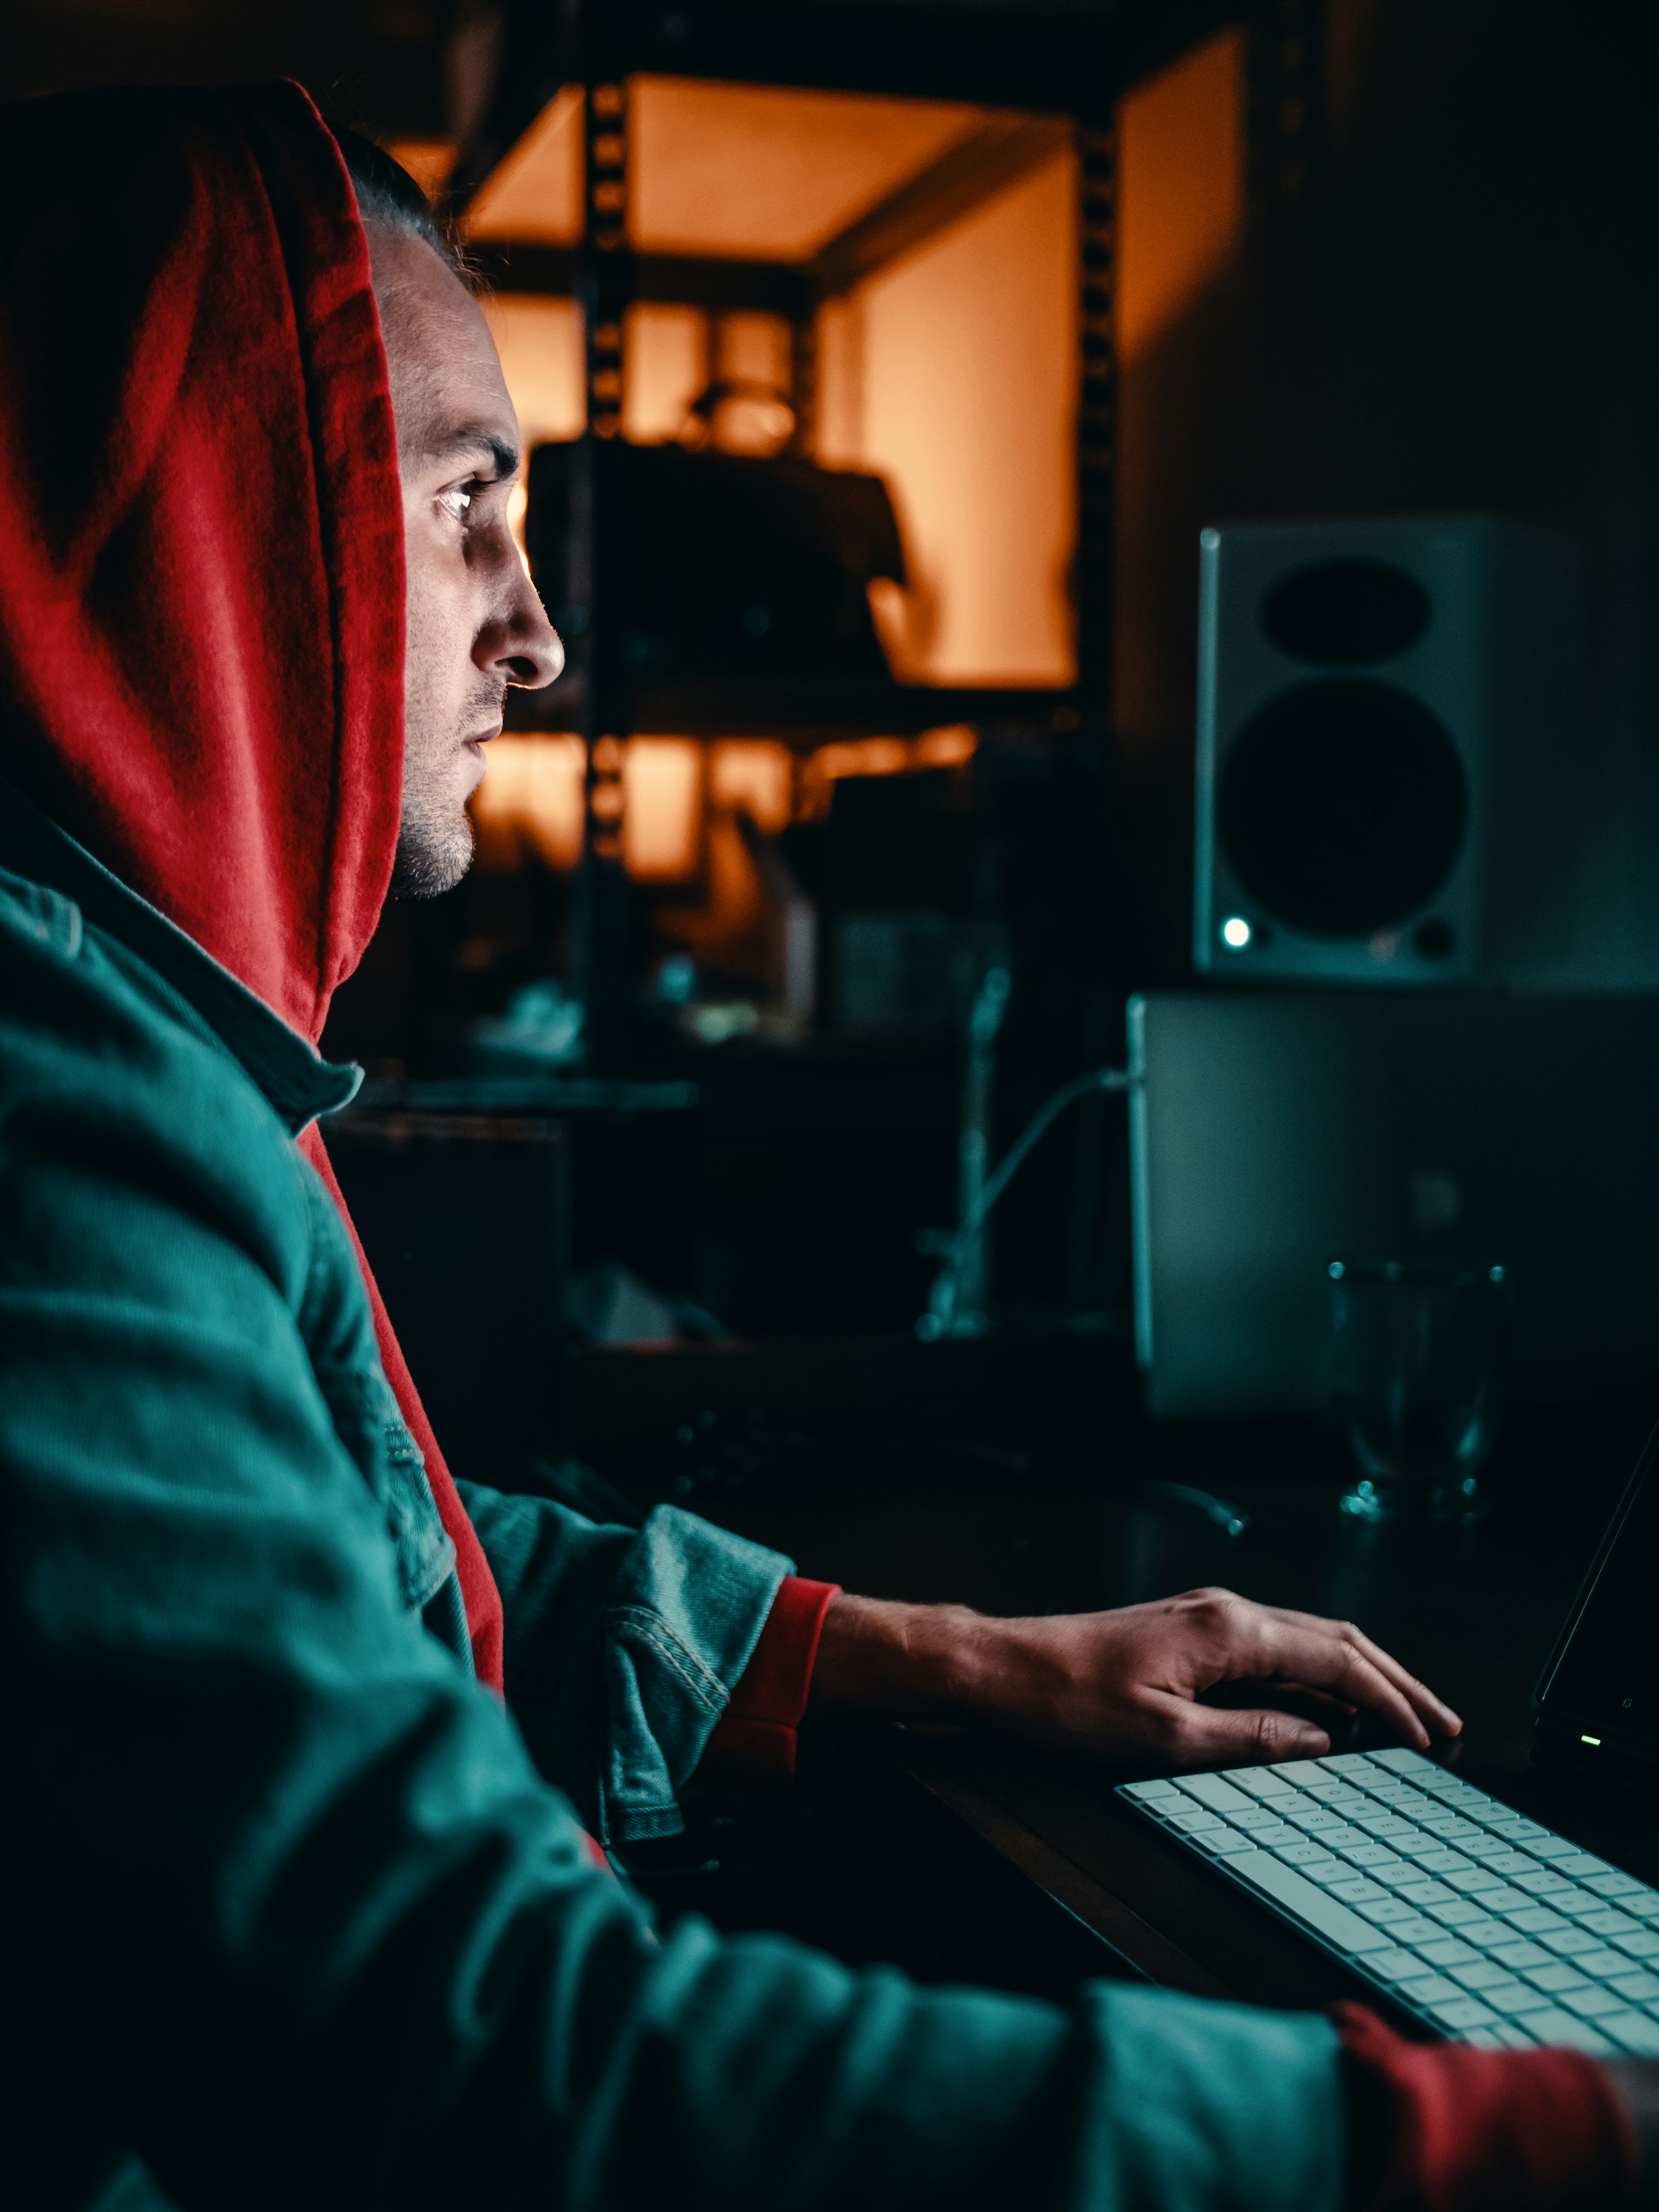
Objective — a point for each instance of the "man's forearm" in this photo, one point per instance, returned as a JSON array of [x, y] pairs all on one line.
[[932, 1662]]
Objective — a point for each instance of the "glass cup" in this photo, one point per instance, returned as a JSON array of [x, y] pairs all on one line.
[[1418, 1349]]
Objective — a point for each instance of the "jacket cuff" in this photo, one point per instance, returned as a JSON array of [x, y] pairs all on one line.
[[1439, 2127], [754, 1738]]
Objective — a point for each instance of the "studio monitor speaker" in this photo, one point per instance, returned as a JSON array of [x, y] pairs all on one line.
[[1388, 788]]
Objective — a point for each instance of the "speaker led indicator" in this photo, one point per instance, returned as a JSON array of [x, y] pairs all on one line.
[[1235, 933]]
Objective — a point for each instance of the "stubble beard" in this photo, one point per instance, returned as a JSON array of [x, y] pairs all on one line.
[[434, 834]]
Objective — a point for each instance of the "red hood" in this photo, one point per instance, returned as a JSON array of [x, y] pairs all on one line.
[[201, 546]]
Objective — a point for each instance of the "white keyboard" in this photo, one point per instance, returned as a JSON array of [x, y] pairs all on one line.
[[1485, 1926]]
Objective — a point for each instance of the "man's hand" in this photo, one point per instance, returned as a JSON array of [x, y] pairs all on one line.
[[1122, 1686]]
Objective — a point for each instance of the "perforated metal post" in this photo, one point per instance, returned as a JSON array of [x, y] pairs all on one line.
[[600, 907], [1285, 104], [1096, 417]]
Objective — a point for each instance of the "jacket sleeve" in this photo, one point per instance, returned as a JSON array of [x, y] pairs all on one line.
[[290, 1911], [624, 1646]]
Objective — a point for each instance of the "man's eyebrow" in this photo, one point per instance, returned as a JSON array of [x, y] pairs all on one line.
[[503, 453]]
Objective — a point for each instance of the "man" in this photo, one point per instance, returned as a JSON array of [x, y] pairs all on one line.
[[297, 1917]]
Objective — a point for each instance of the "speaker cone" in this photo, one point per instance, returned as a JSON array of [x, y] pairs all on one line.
[[1343, 807]]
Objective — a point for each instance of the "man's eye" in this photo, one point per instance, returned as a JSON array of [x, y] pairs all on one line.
[[455, 503]]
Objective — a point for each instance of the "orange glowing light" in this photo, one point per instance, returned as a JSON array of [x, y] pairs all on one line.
[[1180, 196], [754, 776], [532, 794], [662, 808]]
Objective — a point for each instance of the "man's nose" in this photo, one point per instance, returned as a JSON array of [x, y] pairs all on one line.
[[525, 647]]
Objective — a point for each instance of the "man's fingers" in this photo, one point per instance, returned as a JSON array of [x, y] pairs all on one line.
[[1208, 1736], [1433, 1711], [1328, 1661]]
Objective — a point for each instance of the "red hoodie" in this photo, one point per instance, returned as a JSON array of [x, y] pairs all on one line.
[[201, 552]]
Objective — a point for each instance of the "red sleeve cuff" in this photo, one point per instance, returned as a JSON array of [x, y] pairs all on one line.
[[1467, 2131], [754, 1739]]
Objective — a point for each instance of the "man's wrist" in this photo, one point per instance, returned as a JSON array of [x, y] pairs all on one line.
[[924, 1661]]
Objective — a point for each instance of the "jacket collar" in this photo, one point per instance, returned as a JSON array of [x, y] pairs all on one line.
[[296, 1080]]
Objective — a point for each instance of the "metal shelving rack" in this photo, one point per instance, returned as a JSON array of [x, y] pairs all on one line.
[[1048, 72]]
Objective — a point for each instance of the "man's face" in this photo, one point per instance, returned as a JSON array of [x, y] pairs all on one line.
[[474, 622]]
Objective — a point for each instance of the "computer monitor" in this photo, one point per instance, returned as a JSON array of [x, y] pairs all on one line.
[[1272, 1132]]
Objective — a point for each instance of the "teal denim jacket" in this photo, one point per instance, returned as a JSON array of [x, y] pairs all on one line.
[[290, 1916]]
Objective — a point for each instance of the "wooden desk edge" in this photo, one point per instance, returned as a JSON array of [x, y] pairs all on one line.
[[1146, 1955]]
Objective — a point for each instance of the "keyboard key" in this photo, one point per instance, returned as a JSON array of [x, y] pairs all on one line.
[[1150, 1793], [1417, 1930], [1486, 1934], [1562, 2028], [1606, 1921], [1299, 1770], [1358, 1893], [1643, 1944], [1447, 1954], [1541, 1883], [1223, 1844], [1601, 1964], [1430, 1989], [1581, 1864], [1615, 1884], [1443, 1862], [1634, 2032], [1309, 1904], [1314, 1820], [1428, 1893], [1402, 1762], [1547, 1846], [1387, 1911], [1535, 1920], [1397, 1875], [1557, 1979], [1369, 1855], [1303, 1855], [1474, 1974], [1394, 1965], [1591, 2004], [1417, 1846], [1569, 1943], [1515, 2000], [1475, 1883], [1457, 1914], [1212, 1792], [1517, 1956], [1259, 1781], [1511, 2035], [1462, 2013], [1191, 1824], [1637, 1989], [1511, 1862], [1502, 1899], [1643, 1907]]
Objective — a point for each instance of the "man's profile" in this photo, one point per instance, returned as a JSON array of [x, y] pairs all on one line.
[[305, 1912]]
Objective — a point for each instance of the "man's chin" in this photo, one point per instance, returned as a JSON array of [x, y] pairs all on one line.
[[431, 858]]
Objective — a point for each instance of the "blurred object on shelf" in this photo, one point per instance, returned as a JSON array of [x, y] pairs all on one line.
[[896, 970], [791, 922], [608, 1303], [541, 1029], [713, 565]]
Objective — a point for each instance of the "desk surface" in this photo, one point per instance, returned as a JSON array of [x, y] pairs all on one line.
[[1471, 1611]]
